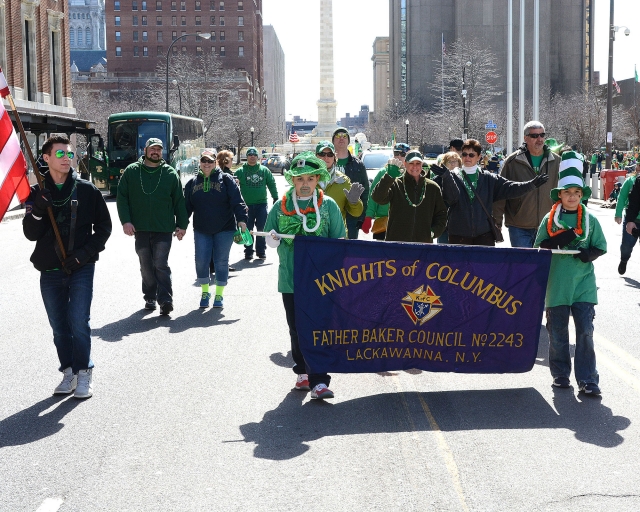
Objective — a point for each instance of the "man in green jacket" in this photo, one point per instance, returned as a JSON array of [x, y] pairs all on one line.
[[254, 179], [628, 241], [523, 215], [151, 208]]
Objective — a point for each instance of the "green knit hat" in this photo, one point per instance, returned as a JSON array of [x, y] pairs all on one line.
[[570, 175], [324, 144], [307, 163]]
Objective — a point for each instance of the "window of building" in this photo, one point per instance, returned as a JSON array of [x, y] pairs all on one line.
[[241, 21], [174, 34], [183, 21], [135, 51], [74, 15], [198, 21], [117, 21], [134, 21], [174, 21], [144, 5], [145, 36], [212, 5], [240, 51], [198, 38], [213, 50], [158, 5], [198, 5], [145, 51], [72, 37], [144, 20], [184, 35], [134, 5], [135, 36], [82, 15], [222, 35], [222, 51], [213, 36], [159, 20], [159, 36], [116, 5], [79, 38], [240, 6], [198, 50], [183, 5], [174, 5], [221, 6], [240, 35], [160, 51], [117, 36], [118, 51], [184, 49], [222, 21], [213, 21]]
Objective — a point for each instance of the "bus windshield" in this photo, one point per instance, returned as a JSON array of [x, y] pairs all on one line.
[[127, 139]]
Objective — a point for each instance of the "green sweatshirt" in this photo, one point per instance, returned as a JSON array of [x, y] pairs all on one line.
[[375, 210], [254, 180], [151, 198], [623, 198]]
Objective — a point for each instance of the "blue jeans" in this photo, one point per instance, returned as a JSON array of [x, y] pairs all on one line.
[[216, 247], [153, 252], [352, 229], [257, 218], [559, 355], [628, 241], [520, 237], [67, 300]]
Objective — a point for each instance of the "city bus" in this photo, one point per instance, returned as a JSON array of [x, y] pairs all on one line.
[[182, 138]]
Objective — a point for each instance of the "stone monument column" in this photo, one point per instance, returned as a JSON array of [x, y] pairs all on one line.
[[326, 104]]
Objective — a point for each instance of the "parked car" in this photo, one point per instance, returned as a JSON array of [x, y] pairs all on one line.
[[375, 160], [277, 163], [265, 157]]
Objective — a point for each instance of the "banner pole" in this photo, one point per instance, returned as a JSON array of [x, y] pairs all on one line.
[[38, 175]]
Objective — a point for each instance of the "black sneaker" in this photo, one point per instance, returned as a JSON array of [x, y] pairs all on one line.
[[562, 382], [248, 256], [590, 388], [150, 305], [262, 256], [622, 268], [166, 308]]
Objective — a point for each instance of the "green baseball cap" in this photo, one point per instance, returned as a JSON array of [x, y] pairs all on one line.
[[325, 144], [413, 155], [252, 151], [153, 142]]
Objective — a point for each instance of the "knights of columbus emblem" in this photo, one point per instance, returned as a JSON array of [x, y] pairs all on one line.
[[422, 305]]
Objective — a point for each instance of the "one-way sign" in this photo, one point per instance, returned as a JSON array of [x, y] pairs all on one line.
[[490, 125]]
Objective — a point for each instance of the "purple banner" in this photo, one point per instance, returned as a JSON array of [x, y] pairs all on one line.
[[370, 307]]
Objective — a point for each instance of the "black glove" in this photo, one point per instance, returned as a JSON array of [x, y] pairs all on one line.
[[76, 260], [635, 232], [358, 225], [41, 202], [590, 254], [559, 241], [438, 170], [540, 180]]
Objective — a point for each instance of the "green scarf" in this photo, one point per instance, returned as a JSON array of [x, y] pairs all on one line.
[[206, 181]]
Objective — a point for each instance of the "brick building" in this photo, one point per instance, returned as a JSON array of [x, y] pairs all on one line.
[[140, 32]]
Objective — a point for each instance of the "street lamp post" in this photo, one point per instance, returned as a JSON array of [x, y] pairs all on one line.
[[175, 82], [407, 125], [465, 129], [206, 35], [251, 136]]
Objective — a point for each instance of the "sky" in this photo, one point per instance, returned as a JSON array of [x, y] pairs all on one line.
[[356, 23]]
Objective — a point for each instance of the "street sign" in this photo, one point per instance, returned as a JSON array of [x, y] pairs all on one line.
[[490, 125], [491, 137]]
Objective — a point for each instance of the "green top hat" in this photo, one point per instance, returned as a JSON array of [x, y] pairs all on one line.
[[307, 163], [570, 175]]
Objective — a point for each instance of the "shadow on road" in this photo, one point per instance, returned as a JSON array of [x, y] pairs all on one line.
[[631, 282], [31, 425], [284, 361], [283, 433], [145, 321]]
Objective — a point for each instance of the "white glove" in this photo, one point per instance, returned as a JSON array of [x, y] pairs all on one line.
[[396, 161], [273, 240]]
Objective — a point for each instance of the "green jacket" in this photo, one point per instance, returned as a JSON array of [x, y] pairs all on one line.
[[254, 181], [623, 198], [374, 209], [151, 198]]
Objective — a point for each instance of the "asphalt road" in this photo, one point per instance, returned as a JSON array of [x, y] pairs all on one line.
[[196, 412]]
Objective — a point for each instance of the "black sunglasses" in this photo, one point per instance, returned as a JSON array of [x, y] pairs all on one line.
[[399, 153], [470, 155], [536, 135], [206, 161], [325, 153]]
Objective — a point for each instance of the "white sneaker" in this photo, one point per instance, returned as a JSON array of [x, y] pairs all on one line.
[[321, 391], [68, 384], [85, 385]]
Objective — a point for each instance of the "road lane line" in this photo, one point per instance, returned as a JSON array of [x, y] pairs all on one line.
[[50, 505], [618, 371], [620, 352]]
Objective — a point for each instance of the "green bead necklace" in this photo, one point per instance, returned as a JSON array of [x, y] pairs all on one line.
[[422, 194]]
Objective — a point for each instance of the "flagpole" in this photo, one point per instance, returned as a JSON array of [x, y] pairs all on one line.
[[38, 175]]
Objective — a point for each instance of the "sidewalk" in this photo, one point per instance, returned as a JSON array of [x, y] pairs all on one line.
[[14, 214]]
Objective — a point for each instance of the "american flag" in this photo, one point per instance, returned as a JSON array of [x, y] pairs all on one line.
[[14, 185], [615, 84], [293, 138]]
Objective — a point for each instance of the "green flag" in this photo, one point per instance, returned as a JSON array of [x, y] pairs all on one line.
[[636, 71]]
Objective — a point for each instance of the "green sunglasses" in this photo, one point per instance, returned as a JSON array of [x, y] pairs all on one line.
[[61, 152]]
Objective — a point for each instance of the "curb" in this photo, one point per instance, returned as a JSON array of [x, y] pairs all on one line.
[[14, 215]]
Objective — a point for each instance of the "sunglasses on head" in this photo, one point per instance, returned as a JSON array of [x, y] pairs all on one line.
[[399, 153], [328, 154], [536, 135], [61, 152], [470, 155], [206, 161]]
